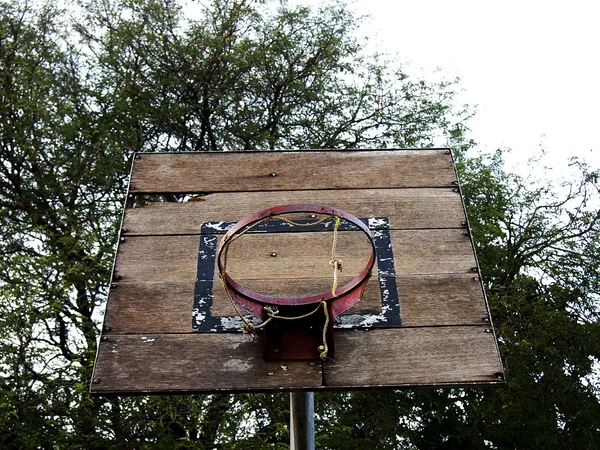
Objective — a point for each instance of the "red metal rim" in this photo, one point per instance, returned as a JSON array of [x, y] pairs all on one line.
[[344, 295]]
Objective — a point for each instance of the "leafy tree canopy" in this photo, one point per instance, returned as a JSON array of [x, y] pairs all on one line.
[[80, 93]]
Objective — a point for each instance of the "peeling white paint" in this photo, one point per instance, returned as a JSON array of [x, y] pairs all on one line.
[[218, 226], [237, 365], [365, 321], [377, 222]]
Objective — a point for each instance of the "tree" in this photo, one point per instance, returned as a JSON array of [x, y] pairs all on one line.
[[81, 94], [538, 246]]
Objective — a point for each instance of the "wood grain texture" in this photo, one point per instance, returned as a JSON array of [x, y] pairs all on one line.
[[406, 357], [431, 356], [371, 301], [150, 307], [170, 363], [299, 255], [430, 300], [404, 208], [253, 171], [166, 307]]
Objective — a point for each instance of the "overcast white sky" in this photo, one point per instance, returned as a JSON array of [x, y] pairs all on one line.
[[531, 67]]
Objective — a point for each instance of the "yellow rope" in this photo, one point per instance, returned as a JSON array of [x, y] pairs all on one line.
[[273, 313], [323, 348], [336, 263]]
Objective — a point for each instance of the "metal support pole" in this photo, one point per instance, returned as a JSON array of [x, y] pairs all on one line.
[[302, 421]]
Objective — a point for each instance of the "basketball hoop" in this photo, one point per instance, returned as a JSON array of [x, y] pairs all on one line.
[[291, 326]]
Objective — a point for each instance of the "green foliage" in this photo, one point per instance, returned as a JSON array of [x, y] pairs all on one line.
[[253, 76], [78, 97]]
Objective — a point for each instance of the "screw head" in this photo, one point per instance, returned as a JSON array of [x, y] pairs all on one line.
[[96, 381], [488, 330], [273, 174], [273, 255], [105, 338]]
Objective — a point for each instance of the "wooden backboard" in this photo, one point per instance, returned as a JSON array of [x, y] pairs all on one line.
[[169, 327]]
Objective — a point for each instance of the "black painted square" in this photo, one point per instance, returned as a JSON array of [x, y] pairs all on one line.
[[204, 321]]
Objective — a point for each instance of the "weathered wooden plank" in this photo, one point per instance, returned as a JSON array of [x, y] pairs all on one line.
[[402, 357], [404, 208], [276, 171], [150, 307], [166, 363], [441, 300], [158, 258], [298, 255], [430, 356], [371, 301], [166, 307]]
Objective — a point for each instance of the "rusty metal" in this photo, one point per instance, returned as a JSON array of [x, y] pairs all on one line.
[[297, 339]]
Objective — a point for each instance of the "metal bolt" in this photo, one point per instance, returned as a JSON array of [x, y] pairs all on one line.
[[448, 152], [273, 255], [132, 188], [499, 375], [464, 223], [455, 182], [107, 328], [130, 196], [313, 216], [488, 330], [96, 381], [474, 269], [122, 239], [113, 286], [273, 174], [137, 156], [486, 319], [455, 190], [105, 338], [475, 279], [321, 348]]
